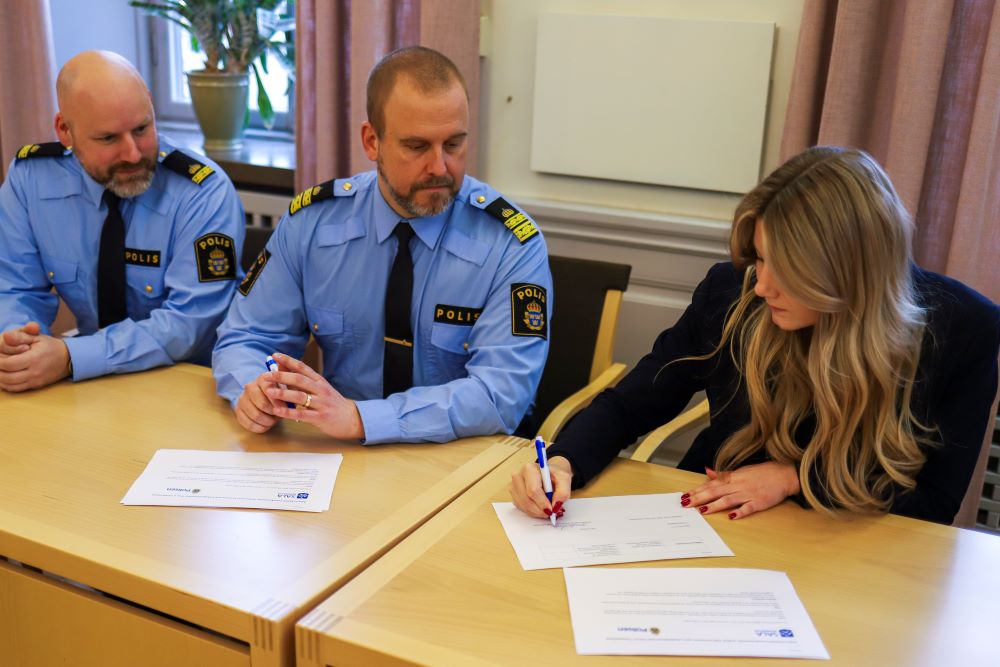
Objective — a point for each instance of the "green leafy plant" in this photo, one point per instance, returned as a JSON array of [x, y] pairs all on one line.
[[235, 36]]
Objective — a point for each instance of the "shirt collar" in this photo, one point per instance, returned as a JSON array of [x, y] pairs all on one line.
[[94, 190], [428, 229]]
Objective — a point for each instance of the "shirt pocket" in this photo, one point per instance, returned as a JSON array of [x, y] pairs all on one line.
[[66, 276], [334, 337], [449, 351], [59, 271], [146, 290]]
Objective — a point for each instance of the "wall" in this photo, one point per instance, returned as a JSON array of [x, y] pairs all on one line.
[[670, 236], [111, 25]]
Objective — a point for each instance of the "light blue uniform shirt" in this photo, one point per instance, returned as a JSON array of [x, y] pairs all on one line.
[[326, 272], [51, 216]]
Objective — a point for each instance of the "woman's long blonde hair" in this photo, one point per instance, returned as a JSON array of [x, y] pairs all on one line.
[[838, 242]]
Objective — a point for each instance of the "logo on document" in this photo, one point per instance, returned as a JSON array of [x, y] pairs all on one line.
[[784, 632], [304, 496]]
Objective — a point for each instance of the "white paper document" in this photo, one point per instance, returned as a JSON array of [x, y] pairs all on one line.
[[612, 529], [689, 611], [260, 480]]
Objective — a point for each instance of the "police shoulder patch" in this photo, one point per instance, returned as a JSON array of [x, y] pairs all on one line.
[[311, 196], [187, 166], [527, 310], [216, 255], [520, 225], [50, 149], [254, 272]]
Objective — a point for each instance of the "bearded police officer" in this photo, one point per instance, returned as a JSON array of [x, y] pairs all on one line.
[[139, 239], [427, 291]]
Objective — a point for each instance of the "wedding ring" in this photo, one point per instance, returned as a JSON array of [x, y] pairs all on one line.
[[309, 400]]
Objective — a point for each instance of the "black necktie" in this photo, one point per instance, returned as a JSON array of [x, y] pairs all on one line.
[[111, 266], [397, 361]]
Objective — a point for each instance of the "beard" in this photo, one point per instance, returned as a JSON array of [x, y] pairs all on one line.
[[131, 185], [124, 186], [407, 201]]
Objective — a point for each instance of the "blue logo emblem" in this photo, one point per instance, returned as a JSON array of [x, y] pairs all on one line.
[[306, 495], [786, 633]]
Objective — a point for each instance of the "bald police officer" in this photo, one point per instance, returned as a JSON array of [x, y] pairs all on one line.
[[427, 291], [140, 239]]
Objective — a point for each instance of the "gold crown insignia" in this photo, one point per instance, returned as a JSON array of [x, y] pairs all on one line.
[[507, 212], [534, 307], [217, 254]]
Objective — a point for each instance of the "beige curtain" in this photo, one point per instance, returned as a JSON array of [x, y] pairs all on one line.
[[27, 80], [337, 44], [917, 84]]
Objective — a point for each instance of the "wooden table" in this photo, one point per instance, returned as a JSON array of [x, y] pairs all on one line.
[[881, 591], [185, 586]]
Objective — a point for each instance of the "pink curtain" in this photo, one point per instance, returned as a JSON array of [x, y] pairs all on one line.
[[917, 84], [337, 44], [27, 79]]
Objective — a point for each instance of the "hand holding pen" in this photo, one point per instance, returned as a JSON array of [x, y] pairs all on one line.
[[543, 468], [527, 490], [272, 366]]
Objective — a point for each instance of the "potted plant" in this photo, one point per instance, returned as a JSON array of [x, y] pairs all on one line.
[[235, 37]]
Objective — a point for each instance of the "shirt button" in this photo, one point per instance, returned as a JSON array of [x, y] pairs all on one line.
[[149, 288], [316, 326], [480, 199], [347, 187], [51, 274]]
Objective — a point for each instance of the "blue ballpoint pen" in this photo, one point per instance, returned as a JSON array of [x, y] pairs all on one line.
[[272, 366], [543, 466]]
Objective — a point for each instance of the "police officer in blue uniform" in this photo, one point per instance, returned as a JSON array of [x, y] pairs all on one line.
[[468, 270], [139, 239]]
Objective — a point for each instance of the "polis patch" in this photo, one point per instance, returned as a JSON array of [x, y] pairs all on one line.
[[254, 272], [142, 257], [518, 223], [460, 315], [216, 254], [527, 310]]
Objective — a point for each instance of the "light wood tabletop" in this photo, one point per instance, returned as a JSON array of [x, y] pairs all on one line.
[[880, 590], [178, 585]]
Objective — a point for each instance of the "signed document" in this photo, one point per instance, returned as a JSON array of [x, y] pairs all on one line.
[[689, 611], [612, 529], [259, 480]]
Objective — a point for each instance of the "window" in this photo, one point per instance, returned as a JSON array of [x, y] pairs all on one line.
[[174, 54]]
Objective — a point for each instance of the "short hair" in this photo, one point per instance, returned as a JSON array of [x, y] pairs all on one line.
[[430, 70]]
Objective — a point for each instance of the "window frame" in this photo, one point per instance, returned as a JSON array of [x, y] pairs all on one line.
[[166, 74]]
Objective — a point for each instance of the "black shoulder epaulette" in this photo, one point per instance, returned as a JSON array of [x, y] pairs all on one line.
[[311, 196], [187, 166], [50, 149], [518, 223]]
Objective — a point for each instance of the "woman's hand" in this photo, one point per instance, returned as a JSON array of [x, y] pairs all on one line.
[[752, 488], [526, 488], [318, 402]]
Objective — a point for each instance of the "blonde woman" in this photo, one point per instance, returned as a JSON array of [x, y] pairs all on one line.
[[838, 372]]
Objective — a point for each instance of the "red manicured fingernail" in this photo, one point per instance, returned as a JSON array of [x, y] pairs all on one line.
[[732, 515], [703, 509], [557, 506], [547, 511], [685, 496], [559, 515], [685, 502]]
